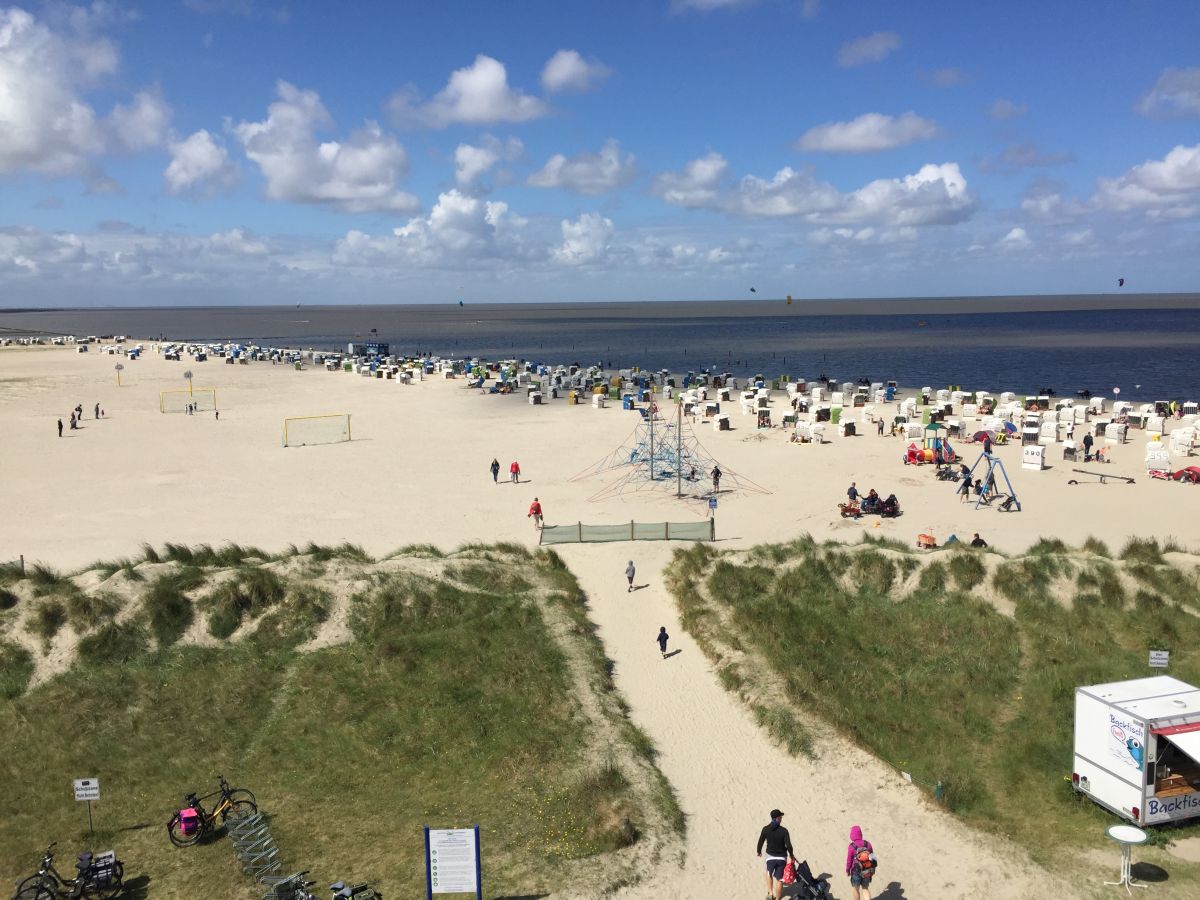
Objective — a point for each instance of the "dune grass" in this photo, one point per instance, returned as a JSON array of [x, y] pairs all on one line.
[[453, 705], [939, 682]]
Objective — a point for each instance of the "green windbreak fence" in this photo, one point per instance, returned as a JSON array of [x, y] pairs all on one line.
[[704, 530]]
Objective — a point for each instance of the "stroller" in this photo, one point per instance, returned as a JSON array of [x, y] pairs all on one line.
[[808, 886]]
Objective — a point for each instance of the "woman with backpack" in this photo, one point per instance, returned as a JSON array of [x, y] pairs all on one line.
[[860, 864]]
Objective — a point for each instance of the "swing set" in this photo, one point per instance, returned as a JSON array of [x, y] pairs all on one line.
[[989, 492]]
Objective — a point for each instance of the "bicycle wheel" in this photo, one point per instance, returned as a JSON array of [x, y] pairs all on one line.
[[110, 890], [239, 809], [178, 838], [238, 795], [35, 888]]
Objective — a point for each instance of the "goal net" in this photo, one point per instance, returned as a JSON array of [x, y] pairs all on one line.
[[304, 430], [203, 400]]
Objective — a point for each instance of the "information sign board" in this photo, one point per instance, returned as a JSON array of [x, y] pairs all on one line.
[[452, 861], [1159, 658]]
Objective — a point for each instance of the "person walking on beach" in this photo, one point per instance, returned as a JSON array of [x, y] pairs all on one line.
[[779, 851], [97, 410], [630, 571], [217, 414], [880, 426], [495, 471], [514, 472], [535, 512], [60, 427], [964, 491], [987, 445], [860, 863], [716, 478], [1087, 447], [662, 639]]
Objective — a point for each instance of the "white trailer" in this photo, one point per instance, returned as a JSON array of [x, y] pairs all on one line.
[[1137, 748]]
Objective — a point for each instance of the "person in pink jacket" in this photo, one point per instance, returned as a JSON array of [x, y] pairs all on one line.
[[861, 870]]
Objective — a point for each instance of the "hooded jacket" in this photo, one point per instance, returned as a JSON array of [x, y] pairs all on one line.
[[777, 839], [856, 844]]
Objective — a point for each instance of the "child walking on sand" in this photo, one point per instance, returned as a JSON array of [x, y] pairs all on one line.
[[663, 637], [630, 571], [860, 863]]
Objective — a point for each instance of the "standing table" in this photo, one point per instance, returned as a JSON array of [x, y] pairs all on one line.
[[1126, 836]]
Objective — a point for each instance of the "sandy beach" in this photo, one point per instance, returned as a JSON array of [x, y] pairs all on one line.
[[417, 472]]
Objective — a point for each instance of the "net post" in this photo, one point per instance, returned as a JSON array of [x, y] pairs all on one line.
[[580, 524], [631, 529]]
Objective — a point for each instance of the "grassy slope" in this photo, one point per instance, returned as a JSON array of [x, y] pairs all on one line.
[[913, 659], [469, 695]]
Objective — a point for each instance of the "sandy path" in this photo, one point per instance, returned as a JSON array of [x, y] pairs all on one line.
[[728, 775]]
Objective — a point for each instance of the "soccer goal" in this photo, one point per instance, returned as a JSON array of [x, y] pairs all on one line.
[[202, 399], [301, 431]]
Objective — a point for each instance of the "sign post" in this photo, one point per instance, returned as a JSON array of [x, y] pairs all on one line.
[[1159, 658], [452, 864], [87, 789]]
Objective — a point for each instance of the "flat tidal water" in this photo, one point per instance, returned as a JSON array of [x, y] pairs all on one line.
[[1148, 353]]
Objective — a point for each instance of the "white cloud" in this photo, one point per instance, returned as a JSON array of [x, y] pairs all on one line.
[[810, 9], [142, 124], [586, 240], [358, 174], [1166, 188], [934, 195], [237, 242], [1044, 202], [45, 125], [697, 186], [566, 70], [460, 230], [869, 133], [198, 162], [1176, 94], [1007, 109], [471, 161], [587, 173], [870, 49], [1079, 238], [476, 95], [1015, 239]]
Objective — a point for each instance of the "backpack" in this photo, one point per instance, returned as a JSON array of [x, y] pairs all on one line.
[[865, 861]]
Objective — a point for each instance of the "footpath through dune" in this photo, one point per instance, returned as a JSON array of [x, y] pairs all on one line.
[[728, 774]]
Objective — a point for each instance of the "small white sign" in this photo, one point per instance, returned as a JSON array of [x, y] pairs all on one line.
[[906, 776], [712, 502], [87, 789], [452, 861], [1159, 658]]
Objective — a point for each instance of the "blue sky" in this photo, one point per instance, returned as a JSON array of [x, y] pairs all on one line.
[[243, 151]]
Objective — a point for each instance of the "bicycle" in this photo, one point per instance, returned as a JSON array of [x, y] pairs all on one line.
[[343, 891], [98, 877], [193, 822], [291, 887]]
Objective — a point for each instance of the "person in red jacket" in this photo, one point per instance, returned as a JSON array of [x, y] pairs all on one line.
[[535, 512], [514, 472]]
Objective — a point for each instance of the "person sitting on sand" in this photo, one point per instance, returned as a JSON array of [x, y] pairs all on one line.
[[870, 502], [977, 541]]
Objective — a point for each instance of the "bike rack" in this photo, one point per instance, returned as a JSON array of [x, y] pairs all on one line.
[[251, 839]]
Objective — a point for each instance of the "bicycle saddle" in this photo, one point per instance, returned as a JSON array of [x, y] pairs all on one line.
[[84, 862]]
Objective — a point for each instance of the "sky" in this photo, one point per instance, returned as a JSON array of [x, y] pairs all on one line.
[[260, 151]]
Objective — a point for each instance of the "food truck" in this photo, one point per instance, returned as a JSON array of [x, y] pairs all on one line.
[[1137, 748]]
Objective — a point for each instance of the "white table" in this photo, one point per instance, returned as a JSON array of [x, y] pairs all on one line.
[[1126, 836]]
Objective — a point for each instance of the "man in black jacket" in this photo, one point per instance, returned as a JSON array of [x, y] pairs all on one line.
[[779, 851]]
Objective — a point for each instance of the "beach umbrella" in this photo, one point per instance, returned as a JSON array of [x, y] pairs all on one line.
[[118, 367], [188, 376], [1010, 427], [980, 436]]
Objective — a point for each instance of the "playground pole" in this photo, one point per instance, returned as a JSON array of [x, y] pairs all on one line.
[[651, 417], [678, 446]]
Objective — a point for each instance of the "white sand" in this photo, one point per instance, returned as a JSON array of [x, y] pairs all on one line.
[[417, 473]]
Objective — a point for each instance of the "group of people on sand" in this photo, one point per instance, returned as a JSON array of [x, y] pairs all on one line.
[[870, 504], [77, 417], [784, 869]]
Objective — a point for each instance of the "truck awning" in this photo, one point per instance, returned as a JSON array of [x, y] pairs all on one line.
[[1188, 742], [1168, 730]]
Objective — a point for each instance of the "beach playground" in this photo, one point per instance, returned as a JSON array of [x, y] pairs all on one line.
[[416, 471]]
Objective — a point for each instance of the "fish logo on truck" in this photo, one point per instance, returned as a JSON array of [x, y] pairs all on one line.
[[1126, 744]]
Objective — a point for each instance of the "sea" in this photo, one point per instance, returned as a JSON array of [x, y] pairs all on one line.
[[1147, 353]]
